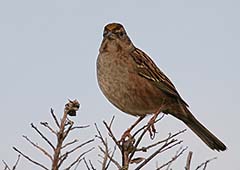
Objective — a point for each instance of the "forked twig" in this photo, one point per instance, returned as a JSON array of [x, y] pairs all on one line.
[[78, 158], [175, 157], [6, 165], [204, 164]]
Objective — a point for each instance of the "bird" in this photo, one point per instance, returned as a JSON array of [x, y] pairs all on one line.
[[133, 83]]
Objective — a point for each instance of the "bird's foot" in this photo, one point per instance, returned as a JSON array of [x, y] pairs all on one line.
[[151, 128], [126, 134]]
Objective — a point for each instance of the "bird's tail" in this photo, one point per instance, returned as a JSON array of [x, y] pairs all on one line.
[[207, 137]]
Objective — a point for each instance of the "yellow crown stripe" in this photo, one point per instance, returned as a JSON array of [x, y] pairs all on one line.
[[112, 26]]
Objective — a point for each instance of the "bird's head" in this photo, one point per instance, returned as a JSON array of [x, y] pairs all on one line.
[[115, 38]]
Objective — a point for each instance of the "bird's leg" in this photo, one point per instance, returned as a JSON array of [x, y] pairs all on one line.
[[127, 132], [151, 127]]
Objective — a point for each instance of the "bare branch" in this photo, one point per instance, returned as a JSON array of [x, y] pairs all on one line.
[[105, 152], [64, 156], [138, 141], [144, 149], [55, 118], [15, 165], [6, 165], [85, 162], [175, 157], [105, 157], [189, 158], [80, 127], [92, 165], [110, 133], [77, 164], [111, 122], [65, 133], [38, 147], [45, 124], [29, 159], [143, 127], [76, 148], [204, 164], [60, 138], [45, 138], [69, 143], [111, 157], [99, 133], [78, 159], [165, 147]]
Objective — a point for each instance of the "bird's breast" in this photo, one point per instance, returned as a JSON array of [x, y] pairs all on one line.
[[123, 87]]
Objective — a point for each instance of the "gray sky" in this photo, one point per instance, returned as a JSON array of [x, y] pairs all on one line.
[[48, 54]]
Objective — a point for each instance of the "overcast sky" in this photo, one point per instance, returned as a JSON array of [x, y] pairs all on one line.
[[48, 52]]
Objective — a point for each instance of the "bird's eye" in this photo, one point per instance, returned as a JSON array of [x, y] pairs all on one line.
[[121, 34]]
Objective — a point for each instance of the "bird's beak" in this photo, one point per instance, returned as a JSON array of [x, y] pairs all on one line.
[[109, 35]]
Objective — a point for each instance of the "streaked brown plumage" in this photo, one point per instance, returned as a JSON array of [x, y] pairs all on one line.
[[133, 83]]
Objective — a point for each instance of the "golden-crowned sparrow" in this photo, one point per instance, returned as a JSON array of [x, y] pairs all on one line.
[[133, 83]]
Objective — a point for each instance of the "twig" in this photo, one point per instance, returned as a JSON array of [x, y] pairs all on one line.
[[77, 160], [55, 118], [65, 155], [111, 158], [6, 165], [92, 165], [69, 143], [85, 162], [204, 164], [77, 164], [138, 142], [40, 133], [143, 127], [25, 156], [105, 152], [105, 157], [161, 149], [176, 156], [65, 133], [189, 158], [144, 149], [15, 165], [76, 148], [106, 148], [45, 124], [38, 147], [80, 127], [111, 122], [110, 133]]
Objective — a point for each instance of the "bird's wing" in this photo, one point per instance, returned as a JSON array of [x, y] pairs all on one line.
[[148, 69]]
